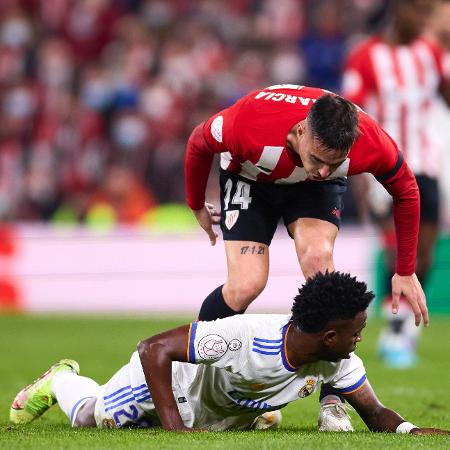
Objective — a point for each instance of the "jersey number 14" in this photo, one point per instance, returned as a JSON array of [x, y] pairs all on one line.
[[241, 196]]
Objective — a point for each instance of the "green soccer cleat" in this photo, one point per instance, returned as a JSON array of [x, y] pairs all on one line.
[[36, 398]]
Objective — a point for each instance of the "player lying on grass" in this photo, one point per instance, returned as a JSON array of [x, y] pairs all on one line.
[[229, 373]]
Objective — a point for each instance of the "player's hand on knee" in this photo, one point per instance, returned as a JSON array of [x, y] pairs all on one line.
[[409, 286], [207, 217]]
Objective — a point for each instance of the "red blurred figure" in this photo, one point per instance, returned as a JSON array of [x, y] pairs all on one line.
[[396, 77]]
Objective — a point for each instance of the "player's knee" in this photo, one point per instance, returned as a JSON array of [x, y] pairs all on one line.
[[239, 295], [315, 258], [85, 416]]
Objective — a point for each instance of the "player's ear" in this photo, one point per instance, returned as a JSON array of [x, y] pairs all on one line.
[[329, 337], [301, 127]]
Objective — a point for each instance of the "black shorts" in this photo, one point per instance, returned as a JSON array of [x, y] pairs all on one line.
[[251, 210], [429, 198]]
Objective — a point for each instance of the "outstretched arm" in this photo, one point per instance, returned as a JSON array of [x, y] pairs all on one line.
[[156, 354], [405, 194], [379, 418]]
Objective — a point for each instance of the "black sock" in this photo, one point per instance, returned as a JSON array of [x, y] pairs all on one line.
[[214, 307], [326, 389]]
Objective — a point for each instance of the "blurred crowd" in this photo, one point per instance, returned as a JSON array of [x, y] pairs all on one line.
[[98, 97]]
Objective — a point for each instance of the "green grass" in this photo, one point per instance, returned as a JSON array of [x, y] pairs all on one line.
[[29, 344]]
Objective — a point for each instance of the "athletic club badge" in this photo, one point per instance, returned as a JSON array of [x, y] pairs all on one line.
[[308, 388], [212, 346], [231, 218]]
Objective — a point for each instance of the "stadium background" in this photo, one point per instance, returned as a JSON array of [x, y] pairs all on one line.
[[97, 98]]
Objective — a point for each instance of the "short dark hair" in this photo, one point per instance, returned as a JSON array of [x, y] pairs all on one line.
[[334, 122], [326, 297]]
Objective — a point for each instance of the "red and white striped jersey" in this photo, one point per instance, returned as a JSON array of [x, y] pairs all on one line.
[[251, 138], [397, 85]]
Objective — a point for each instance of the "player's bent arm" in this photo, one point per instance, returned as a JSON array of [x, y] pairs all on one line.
[[156, 355], [371, 411], [379, 418], [198, 161]]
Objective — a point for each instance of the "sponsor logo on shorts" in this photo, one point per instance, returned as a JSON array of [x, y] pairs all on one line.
[[335, 211], [212, 346], [308, 388], [231, 218], [235, 344]]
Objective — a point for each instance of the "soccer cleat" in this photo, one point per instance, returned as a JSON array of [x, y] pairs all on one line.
[[36, 398], [270, 419], [333, 415], [396, 351]]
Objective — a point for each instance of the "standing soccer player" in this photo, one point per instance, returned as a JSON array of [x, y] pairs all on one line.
[[396, 77]]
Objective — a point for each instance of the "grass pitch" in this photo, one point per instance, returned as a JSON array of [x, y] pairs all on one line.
[[30, 344]]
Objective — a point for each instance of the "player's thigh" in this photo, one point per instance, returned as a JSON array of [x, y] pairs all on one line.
[[314, 200], [313, 218], [429, 199], [429, 214], [248, 209], [314, 244], [248, 264]]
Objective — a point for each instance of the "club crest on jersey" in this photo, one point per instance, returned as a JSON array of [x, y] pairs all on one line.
[[231, 218], [308, 388], [212, 346], [235, 344]]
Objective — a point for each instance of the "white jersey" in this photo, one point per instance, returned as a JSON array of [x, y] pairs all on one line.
[[240, 370]]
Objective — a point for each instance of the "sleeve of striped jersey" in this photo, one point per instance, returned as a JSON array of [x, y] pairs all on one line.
[[198, 161], [219, 343], [406, 200], [390, 169], [357, 81], [350, 377]]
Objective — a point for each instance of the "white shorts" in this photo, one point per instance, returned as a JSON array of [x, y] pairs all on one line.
[[125, 401]]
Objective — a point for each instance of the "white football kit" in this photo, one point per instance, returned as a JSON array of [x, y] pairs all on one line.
[[238, 369]]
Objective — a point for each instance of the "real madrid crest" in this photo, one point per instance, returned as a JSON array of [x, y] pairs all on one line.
[[308, 388]]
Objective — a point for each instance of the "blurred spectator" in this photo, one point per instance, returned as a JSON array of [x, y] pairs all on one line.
[[124, 194], [87, 86]]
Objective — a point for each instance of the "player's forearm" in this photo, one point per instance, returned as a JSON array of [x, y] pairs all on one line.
[[199, 158], [383, 419], [406, 198], [157, 366]]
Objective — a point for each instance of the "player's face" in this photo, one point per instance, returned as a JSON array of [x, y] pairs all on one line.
[[318, 162], [412, 17], [347, 335]]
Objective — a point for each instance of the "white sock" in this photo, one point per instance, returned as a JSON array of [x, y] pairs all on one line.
[[72, 392]]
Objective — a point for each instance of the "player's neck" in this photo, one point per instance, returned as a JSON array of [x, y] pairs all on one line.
[[392, 37], [301, 348]]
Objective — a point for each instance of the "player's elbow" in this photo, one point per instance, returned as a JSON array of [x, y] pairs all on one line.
[[145, 349]]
